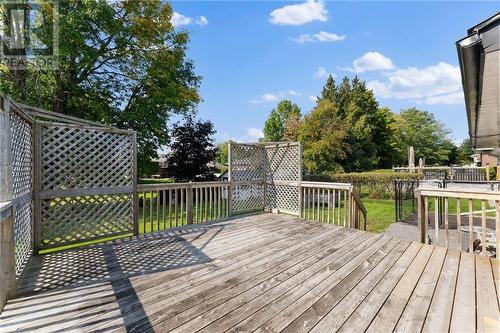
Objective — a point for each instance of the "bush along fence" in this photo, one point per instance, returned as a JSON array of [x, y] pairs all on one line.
[[372, 185], [67, 181]]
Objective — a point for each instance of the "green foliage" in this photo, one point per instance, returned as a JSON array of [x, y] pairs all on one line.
[[192, 150], [373, 185], [156, 181], [274, 128], [222, 153], [120, 63], [322, 135], [425, 133], [464, 152], [369, 130]]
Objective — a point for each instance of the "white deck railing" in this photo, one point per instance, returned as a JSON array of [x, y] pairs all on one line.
[[479, 221], [162, 206]]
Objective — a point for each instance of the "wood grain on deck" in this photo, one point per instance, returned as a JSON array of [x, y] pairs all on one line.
[[265, 273]]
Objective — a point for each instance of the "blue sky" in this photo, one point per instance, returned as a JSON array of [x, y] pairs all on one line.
[[251, 54]]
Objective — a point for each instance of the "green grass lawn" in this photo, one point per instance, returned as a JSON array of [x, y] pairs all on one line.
[[380, 214]]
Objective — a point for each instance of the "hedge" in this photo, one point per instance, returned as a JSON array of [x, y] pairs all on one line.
[[373, 185]]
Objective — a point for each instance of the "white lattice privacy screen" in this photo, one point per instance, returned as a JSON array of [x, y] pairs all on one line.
[[265, 176], [86, 183], [21, 128], [283, 174]]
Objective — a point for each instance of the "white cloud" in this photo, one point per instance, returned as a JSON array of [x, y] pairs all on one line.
[[322, 73], [452, 98], [180, 20], [313, 98], [273, 97], [438, 84], [202, 20], [293, 93], [371, 61], [253, 134], [299, 14], [264, 98], [321, 37]]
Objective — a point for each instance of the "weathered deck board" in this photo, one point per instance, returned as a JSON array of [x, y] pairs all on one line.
[[266, 273]]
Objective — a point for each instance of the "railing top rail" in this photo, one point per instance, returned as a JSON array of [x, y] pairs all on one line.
[[356, 197], [337, 186], [462, 194], [172, 186]]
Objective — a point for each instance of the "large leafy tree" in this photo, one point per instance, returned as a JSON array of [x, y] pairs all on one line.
[[222, 153], [274, 128], [121, 63], [464, 152], [323, 135], [368, 126], [425, 133], [192, 150]]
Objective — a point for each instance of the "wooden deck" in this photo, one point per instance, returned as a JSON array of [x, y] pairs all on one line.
[[264, 273]]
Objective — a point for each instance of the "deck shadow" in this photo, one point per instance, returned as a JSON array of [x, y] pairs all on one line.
[[114, 261]]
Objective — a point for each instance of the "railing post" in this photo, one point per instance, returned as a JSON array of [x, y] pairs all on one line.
[[7, 255], [7, 246], [349, 208], [189, 204], [135, 195], [230, 198], [37, 186], [421, 216]]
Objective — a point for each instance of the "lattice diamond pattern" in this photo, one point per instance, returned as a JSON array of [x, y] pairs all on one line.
[[247, 163], [283, 162], [270, 164], [75, 157], [285, 198], [247, 198], [76, 219], [22, 183], [22, 154], [22, 235]]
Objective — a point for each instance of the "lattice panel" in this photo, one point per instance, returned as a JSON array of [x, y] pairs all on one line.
[[247, 198], [77, 219], [284, 198], [283, 162], [22, 154], [74, 157], [23, 216], [22, 183], [247, 163]]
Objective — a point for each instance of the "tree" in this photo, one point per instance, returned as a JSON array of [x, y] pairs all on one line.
[[291, 131], [369, 129], [222, 153], [464, 152], [120, 63], [425, 133], [192, 150], [322, 135], [274, 127]]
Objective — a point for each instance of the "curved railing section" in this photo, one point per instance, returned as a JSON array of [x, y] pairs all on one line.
[[332, 203]]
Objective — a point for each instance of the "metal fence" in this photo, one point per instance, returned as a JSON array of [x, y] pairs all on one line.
[[405, 199]]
